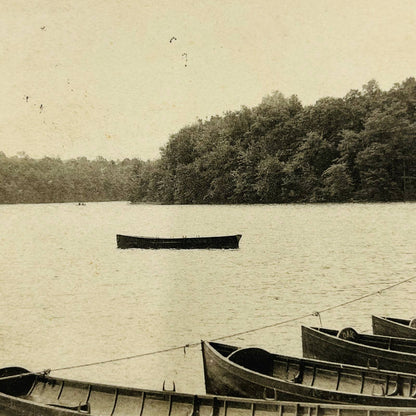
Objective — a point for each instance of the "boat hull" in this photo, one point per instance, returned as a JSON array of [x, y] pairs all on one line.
[[48, 395], [387, 353], [219, 242], [393, 327], [301, 380]]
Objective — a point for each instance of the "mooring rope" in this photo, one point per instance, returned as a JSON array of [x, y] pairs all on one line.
[[317, 313], [193, 344]]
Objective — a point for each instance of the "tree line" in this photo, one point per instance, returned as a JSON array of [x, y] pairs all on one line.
[[27, 180], [361, 147]]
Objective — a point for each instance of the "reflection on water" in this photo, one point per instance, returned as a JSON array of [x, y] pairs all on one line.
[[71, 297]]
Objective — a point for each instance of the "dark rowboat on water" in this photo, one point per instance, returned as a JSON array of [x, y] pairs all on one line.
[[41, 395], [254, 372], [394, 327], [218, 242], [351, 347]]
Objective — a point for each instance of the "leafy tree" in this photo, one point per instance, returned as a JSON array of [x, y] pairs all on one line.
[[270, 176], [375, 171], [338, 184], [27, 180]]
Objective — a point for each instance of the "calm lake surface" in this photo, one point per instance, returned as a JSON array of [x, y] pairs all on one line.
[[70, 297]]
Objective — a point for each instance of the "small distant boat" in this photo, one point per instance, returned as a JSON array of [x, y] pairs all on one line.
[[228, 241], [350, 347], [394, 327], [29, 394], [254, 372]]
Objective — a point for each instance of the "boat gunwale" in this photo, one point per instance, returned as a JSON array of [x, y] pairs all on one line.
[[224, 400], [340, 341], [238, 236], [394, 321], [226, 364], [399, 411], [343, 366]]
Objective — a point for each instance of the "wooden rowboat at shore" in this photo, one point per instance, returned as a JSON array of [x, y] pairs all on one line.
[[254, 372], [394, 327], [216, 242], [350, 347], [29, 394]]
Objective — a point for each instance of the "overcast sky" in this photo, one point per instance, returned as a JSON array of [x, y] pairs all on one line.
[[115, 78]]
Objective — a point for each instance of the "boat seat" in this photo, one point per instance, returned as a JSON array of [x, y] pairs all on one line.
[[378, 390], [349, 334], [255, 359], [298, 377], [398, 387], [83, 407]]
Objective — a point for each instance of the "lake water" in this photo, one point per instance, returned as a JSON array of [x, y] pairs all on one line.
[[70, 297]]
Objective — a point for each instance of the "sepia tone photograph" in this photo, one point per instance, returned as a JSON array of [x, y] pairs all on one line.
[[207, 208]]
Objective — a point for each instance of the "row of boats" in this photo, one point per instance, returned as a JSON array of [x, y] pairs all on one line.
[[342, 372]]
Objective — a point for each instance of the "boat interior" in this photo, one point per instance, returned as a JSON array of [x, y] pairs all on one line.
[[321, 374], [405, 345], [83, 398]]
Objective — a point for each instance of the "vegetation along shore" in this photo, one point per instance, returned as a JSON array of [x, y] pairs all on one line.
[[361, 147]]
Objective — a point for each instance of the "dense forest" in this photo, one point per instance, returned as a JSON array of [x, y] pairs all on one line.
[[27, 180], [361, 147]]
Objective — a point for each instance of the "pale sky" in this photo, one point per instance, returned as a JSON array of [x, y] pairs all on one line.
[[115, 78]]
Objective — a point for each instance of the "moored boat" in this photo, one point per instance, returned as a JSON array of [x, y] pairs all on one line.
[[349, 346], [394, 327], [215, 242], [26, 394], [254, 372]]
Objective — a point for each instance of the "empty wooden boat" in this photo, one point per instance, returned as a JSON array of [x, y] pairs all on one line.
[[216, 242], [28, 394], [394, 327], [349, 346], [254, 372]]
